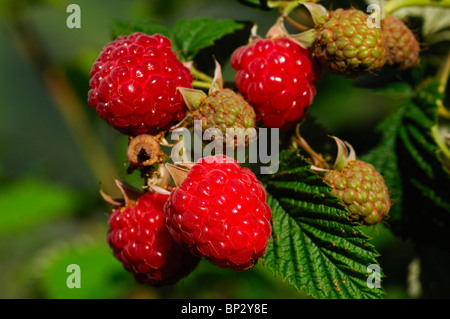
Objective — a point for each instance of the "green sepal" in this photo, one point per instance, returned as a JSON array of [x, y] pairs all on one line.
[[318, 13], [192, 97]]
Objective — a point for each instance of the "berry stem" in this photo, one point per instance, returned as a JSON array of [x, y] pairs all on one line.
[[442, 110], [442, 76], [394, 5], [285, 8], [317, 159], [201, 84], [199, 75], [294, 23], [287, 5], [440, 141]]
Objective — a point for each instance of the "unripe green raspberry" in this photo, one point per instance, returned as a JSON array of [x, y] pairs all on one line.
[[222, 109], [346, 45], [225, 109], [401, 44], [362, 190]]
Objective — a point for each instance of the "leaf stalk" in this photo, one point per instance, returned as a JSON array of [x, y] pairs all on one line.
[[394, 5]]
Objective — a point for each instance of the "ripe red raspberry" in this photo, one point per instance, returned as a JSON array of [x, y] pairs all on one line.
[[219, 212], [277, 77], [141, 242], [133, 84]]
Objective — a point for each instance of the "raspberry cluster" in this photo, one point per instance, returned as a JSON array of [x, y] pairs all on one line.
[[217, 209], [218, 212], [135, 84]]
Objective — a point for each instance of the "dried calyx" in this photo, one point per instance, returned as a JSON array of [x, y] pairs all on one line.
[[143, 150]]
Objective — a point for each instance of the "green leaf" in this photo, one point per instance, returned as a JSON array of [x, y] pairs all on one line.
[[425, 182], [407, 157], [119, 27], [314, 246], [28, 202], [385, 159], [398, 90], [193, 35], [101, 276], [187, 36]]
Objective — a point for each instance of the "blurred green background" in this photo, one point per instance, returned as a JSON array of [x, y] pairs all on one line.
[[54, 152]]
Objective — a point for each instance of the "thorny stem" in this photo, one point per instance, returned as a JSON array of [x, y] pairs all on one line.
[[394, 5]]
